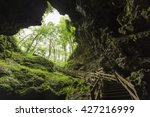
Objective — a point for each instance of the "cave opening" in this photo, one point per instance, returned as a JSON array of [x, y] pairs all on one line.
[[30, 58], [111, 39], [53, 39]]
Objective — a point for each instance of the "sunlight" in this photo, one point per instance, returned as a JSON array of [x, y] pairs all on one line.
[[53, 17], [53, 39]]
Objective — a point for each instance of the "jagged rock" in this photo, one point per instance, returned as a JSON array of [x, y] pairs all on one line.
[[102, 30], [18, 14]]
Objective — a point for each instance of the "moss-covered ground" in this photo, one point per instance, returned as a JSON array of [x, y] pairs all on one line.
[[33, 77]]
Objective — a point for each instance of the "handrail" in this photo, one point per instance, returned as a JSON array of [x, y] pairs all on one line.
[[127, 84], [97, 88]]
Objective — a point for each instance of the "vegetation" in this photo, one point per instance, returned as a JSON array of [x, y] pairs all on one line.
[[33, 77], [112, 36], [54, 42], [26, 67]]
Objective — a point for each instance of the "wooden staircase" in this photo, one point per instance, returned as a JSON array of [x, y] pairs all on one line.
[[104, 86], [113, 90]]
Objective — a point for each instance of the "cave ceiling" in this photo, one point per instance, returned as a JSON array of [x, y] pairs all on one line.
[[120, 16], [18, 14]]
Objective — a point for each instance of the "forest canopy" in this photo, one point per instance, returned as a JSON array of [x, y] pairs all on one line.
[[52, 41]]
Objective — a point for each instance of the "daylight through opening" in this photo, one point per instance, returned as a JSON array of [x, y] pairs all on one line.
[[54, 39]]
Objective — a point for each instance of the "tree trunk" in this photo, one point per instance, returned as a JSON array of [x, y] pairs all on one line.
[[23, 39], [28, 49], [50, 48], [65, 51], [37, 41]]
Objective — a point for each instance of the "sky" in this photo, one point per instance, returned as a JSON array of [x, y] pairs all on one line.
[[53, 17]]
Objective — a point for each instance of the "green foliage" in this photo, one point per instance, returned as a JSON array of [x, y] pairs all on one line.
[[49, 8], [70, 64], [54, 42], [29, 74]]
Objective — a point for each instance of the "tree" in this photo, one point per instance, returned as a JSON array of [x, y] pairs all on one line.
[[55, 42], [66, 35]]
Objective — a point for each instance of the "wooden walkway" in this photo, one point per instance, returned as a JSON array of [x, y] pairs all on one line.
[[99, 81]]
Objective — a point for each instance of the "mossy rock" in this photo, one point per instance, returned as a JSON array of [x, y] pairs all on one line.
[[36, 62], [73, 65], [22, 82], [32, 77], [8, 43]]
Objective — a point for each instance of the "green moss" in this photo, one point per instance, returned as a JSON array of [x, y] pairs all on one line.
[[8, 85], [5, 87], [28, 90], [8, 43], [73, 64], [7, 46], [27, 77], [36, 62], [25, 81], [136, 77], [77, 90], [70, 64], [127, 17]]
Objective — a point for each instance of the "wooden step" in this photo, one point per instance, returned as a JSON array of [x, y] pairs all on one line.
[[114, 91], [121, 97]]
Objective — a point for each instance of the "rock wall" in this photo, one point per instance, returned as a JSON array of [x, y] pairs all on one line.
[[16, 14], [113, 34]]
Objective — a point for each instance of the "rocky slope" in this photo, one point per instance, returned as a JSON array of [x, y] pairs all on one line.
[[33, 77], [113, 34]]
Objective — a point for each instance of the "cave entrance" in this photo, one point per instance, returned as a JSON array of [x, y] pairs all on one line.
[[54, 39]]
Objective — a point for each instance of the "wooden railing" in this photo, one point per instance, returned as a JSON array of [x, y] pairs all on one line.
[[125, 83], [128, 86], [96, 89], [97, 79]]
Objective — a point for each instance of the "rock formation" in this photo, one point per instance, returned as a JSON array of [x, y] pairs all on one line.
[[113, 34]]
